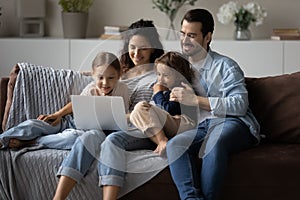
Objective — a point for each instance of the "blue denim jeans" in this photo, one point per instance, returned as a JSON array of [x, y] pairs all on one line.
[[61, 136], [84, 152], [214, 141], [114, 151]]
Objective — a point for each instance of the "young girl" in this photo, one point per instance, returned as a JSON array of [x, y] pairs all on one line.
[[57, 130], [166, 118]]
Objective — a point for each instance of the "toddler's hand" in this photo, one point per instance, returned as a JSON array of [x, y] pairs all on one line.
[[158, 87]]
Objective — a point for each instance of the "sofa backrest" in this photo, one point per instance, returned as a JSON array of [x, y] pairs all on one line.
[[275, 103]]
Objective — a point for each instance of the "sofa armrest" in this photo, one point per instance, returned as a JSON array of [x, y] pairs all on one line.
[[3, 97]]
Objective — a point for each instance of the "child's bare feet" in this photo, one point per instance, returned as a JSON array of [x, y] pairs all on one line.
[[161, 147], [15, 143]]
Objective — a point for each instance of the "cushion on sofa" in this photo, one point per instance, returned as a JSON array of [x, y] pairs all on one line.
[[10, 90], [3, 96], [40, 89], [275, 102], [271, 170]]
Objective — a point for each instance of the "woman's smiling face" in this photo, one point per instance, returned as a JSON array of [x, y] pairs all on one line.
[[139, 50]]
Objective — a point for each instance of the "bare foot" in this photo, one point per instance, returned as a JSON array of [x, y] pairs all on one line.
[[161, 147], [15, 143]]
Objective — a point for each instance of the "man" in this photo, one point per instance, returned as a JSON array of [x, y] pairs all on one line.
[[226, 123]]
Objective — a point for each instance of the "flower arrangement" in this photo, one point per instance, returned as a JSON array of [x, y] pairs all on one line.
[[241, 16], [171, 7]]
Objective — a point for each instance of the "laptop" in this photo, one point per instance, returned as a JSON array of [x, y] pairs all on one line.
[[99, 112]]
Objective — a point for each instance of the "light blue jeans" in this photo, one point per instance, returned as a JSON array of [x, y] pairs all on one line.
[[114, 150], [84, 152], [61, 136], [214, 141]]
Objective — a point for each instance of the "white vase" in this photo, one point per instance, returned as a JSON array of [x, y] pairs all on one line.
[[242, 34]]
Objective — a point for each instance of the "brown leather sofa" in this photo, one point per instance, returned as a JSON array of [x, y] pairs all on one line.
[[270, 170]]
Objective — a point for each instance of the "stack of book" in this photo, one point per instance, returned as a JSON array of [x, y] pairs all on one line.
[[113, 32], [285, 34]]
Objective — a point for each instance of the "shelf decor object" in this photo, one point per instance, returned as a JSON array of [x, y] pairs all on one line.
[[170, 8], [0, 15], [241, 16], [31, 14], [75, 17]]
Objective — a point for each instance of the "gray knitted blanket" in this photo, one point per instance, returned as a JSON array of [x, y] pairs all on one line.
[[42, 90], [30, 173]]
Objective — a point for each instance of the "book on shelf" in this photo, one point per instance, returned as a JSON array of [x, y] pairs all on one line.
[[285, 37], [111, 37], [115, 28], [113, 32], [285, 34], [285, 31]]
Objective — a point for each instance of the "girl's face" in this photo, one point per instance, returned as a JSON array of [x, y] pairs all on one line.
[[139, 50], [106, 78], [166, 76]]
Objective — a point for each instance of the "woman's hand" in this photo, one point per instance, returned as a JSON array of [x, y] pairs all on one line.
[[52, 119]]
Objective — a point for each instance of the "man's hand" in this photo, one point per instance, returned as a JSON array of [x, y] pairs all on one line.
[[184, 95]]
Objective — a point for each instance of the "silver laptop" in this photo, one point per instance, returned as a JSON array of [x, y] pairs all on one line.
[[99, 112]]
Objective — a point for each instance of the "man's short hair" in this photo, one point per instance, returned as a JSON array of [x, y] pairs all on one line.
[[203, 16]]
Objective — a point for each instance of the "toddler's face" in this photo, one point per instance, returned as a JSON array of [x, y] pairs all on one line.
[[106, 78], [166, 76]]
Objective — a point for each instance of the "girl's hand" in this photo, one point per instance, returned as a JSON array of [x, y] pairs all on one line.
[[52, 119]]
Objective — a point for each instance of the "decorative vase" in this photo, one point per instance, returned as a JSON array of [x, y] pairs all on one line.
[[74, 24], [171, 34], [242, 33]]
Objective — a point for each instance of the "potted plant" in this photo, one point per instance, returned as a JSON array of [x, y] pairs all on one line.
[[75, 17]]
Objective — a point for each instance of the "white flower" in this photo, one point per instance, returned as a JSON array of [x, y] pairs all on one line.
[[227, 12], [241, 15]]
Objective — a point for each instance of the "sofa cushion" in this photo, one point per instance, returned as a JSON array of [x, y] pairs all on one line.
[[271, 170], [275, 103], [3, 96], [10, 90]]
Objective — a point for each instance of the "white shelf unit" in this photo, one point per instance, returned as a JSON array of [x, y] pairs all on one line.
[[46, 52], [257, 58], [291, 56]]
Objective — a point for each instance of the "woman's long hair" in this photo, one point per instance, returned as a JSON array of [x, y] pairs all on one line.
[[146, 29]]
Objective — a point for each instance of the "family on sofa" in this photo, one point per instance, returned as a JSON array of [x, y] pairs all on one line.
[[224, 126]]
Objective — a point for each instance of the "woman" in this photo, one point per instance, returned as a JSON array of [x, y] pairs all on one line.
[[141, 47]]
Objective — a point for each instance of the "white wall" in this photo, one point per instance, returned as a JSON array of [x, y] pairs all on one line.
[[123, 12]]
